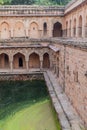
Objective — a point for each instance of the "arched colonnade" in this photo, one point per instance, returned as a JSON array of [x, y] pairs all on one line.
[[33, 30], [76, 27], [20, 62]]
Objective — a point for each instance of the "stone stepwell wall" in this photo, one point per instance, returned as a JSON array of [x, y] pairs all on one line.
[[15, 77]]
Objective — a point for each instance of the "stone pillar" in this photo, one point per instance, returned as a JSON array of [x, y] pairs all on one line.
[[27, 67], [83, 27], [11, 33], [50, 31], [41, 64], [27, 62], [85, 31], [51, 64], [26, 32], [11, 66], [40, 33]]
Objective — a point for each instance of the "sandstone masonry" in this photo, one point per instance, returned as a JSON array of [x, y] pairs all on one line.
[[48, 38]]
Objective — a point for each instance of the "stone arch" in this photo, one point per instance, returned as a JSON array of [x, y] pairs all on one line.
[[46, 60], [74, 27], [5, 32], [34, 60], [4, 61], [19, 29], [19, 61], [45, 29], [34, 30], [57, 30], [80, 26]]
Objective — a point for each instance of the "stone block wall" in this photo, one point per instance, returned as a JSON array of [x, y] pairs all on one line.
[[15, 77], [72, 75], [76, 79]]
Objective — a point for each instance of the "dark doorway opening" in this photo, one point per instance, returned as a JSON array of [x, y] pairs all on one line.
[[20, 62]]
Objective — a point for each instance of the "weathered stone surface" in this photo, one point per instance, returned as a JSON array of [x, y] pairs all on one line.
[[67, 115]]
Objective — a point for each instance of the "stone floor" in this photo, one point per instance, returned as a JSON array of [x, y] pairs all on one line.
[[67, 116]]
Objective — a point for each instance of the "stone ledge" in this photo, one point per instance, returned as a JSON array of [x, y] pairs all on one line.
[[68, 117], [76, 42]]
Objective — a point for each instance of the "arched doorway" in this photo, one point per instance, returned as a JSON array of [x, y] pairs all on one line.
[[80, 27], [19, 61], [45, 29], [19, 30], [5, 34], [46, 61], [34, 61], [34, 32], [57, 30], [4, 61]]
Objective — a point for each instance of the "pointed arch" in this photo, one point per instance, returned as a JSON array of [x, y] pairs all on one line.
[[46, 61], [34, 60], [19, 61], [34, 30], [80, 26], [19, 29], [74, 27], [45, 29], [57, 30], [4, 61], [5, 31]]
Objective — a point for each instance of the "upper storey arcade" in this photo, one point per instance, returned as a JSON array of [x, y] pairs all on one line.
[[44, 22], [75, 19], [30, 21]]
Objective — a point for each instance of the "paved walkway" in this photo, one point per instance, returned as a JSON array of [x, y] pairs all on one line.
[[67, 116]]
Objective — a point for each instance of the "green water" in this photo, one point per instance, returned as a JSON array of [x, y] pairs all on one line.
[[21, 100]]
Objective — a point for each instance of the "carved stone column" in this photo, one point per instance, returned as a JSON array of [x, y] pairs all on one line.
[[41, 65], [41, 62], [27, 67], [11, 33], [11, 62], [27, 63]]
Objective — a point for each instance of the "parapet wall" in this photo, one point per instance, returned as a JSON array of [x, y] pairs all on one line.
[[27, 10], [27, 76]]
